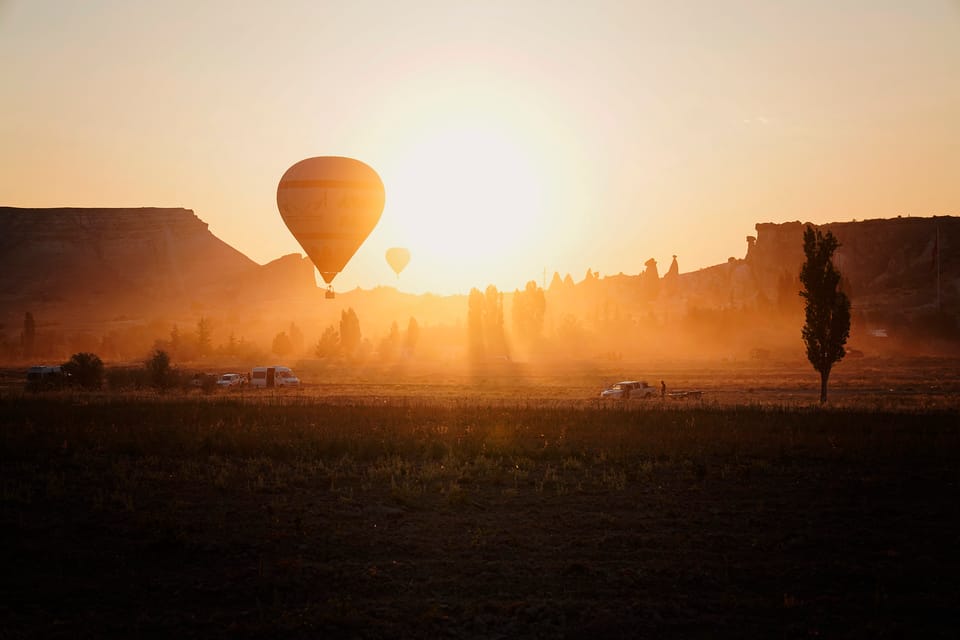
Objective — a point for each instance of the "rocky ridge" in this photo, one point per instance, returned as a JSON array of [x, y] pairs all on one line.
[[107, 262]]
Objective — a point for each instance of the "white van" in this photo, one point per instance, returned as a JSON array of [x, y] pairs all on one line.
[[275, 376], [45, 377]]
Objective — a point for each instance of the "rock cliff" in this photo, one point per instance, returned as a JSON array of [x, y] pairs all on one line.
[[100, 263], [889, 265]]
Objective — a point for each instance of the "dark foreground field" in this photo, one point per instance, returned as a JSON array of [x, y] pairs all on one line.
[[292, 516]]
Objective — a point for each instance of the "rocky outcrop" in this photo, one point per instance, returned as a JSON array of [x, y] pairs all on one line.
[[883, 262], [887, 264], [902, 275], [108, 262]]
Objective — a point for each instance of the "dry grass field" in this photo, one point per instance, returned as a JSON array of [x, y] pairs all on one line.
[[498, 502]]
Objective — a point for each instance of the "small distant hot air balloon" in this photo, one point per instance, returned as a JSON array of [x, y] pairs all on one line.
[[330, 204], [398, 258]]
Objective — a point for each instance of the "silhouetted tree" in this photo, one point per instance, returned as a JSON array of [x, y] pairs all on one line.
[[349, 332], [475, 305], [160, 374], [204, 336], [29, 335], [176, 342], [282, 346], [412, 337], [390, 345], [827, 307], [296, 338], [496, 341], [529, 308], [86, 369], [328, 344]]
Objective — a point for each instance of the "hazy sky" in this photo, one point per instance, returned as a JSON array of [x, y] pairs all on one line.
[[512, 137]]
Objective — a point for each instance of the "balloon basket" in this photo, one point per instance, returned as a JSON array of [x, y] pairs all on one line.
[[329, 294]]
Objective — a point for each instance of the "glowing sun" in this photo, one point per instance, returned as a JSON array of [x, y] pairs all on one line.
[[467, 193]]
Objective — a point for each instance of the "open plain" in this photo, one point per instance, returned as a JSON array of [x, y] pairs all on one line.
[[493, 502]]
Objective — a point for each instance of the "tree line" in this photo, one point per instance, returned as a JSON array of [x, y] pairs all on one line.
[[824, 333]]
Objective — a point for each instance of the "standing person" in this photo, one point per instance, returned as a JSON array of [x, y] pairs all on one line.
[[663, 389]]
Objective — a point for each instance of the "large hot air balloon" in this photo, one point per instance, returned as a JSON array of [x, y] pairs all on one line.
[[330, 204], [398, 258]]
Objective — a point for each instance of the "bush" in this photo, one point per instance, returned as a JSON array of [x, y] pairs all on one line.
[[85, 369], [159, 372]]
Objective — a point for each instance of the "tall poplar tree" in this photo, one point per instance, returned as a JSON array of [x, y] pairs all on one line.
[[349, 332], [496, 341], [529, 308], [475, 338], [204, 336], [827, 307]]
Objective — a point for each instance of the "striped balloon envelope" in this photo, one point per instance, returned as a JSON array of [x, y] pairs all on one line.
[[330, 204]]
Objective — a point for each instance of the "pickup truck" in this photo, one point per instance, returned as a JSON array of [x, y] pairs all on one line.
[[629, 389]]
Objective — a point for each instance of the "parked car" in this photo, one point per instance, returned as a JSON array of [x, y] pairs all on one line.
[[275, 376], [230, 380], [629, 389], [44, 377]]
